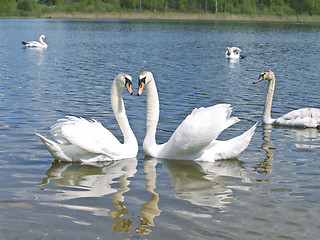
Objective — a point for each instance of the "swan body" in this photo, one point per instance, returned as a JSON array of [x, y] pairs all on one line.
[[77, 139], [195, 138], [40, 44], [233, 53], [304, 117]]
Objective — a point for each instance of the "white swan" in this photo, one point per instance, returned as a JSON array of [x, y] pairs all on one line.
[[304, 117], [40, 44], [80, 140], [233, 53], [195, 138]]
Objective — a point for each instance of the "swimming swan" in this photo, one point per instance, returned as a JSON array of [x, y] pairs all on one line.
[[40, 44], [233, 53], [195, 138], [80, 140], [304, 117]]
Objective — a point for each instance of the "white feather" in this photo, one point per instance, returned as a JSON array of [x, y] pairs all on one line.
[[78, 139], [195, 138], [35, 44]]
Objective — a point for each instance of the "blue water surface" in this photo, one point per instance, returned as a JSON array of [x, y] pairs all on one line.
[[271, 191]]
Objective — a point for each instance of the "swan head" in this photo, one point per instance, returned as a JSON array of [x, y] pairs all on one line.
[[266, 75], [227, 51], [144, 79], [126, 81], [43, 37]]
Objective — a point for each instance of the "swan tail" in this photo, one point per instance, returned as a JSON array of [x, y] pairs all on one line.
[[244, 139], [54, 149], [229, 149], [24, 43]]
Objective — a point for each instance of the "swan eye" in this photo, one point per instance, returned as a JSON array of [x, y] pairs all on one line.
[[128, 81], [262, 75], [142, 80]]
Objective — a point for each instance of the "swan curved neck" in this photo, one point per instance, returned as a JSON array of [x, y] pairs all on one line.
[[268, 103], [120, 113], [42, 42], [152, 117]]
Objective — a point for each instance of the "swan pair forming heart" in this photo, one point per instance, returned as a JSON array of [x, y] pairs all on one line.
[[77, 139]]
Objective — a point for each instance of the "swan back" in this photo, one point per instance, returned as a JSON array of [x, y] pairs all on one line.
[[233, 52], [303, 117]]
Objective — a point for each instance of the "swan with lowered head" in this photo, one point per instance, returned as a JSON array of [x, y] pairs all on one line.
[[233, 53], [87, 141], [303, 117], [195, 138], [40, 44]]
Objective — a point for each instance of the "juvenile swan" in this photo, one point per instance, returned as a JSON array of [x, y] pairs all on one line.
[[195, 138], [80, 140], [233, 53], [304, 117], [40, 44]]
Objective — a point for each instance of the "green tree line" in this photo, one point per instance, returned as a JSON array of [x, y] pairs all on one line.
[[269, 7]]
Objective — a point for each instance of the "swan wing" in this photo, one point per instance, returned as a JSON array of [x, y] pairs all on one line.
[[231, 148], [90, 136], [32, 44], [200, 128], [304, 117]]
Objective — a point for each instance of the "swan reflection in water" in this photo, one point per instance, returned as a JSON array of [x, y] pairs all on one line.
[[201, 183], [78, 180], [266, 165], [308, 138], [206, 183], [73, 180]]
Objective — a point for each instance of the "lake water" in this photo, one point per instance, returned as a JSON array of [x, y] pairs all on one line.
[[271, 191]]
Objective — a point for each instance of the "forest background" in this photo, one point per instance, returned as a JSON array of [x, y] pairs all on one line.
[[211, 9]]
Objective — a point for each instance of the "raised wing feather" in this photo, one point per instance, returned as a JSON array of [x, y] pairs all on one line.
[[90, 136], [200, 128]]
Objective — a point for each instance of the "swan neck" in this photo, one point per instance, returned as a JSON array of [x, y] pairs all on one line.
[[268, 103], [41, 41], [152, 115], [120, 113]]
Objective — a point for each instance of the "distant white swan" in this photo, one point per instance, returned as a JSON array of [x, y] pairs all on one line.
[[195, 138], [80, 140], [233, 53], [40, 44], [304, 117]]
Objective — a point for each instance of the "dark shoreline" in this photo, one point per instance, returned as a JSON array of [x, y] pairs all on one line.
[[182, 16]]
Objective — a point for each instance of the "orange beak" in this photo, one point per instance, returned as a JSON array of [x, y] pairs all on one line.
[[128, 87], [140, 89]]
